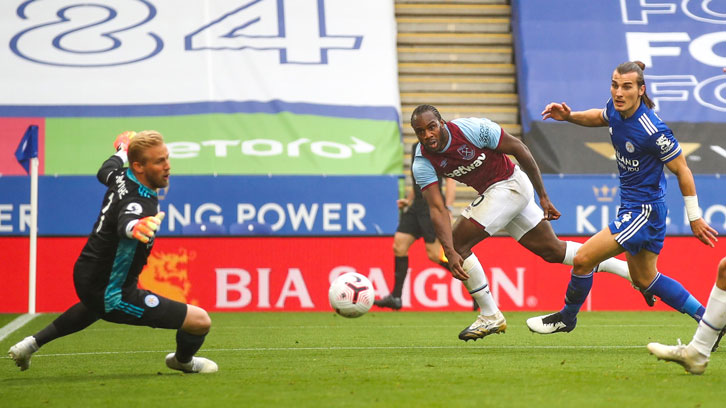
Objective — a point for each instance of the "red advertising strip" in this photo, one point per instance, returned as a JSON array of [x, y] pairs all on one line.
[[293, 274], [11, 131]]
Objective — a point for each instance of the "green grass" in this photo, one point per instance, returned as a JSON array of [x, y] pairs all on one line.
[[7, 318], [399, 359]]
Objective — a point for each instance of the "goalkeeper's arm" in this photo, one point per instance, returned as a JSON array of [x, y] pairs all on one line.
[[118, 160], [144, 229]]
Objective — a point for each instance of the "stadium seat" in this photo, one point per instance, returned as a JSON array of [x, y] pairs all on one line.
[[250, 228], [205, 228]]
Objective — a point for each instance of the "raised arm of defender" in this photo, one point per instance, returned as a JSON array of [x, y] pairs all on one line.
[[562, 112]]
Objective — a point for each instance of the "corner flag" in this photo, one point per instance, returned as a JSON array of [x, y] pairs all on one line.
[[28, 147], [27, 155]]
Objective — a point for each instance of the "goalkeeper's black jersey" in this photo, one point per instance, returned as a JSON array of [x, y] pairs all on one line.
[[111, 260]]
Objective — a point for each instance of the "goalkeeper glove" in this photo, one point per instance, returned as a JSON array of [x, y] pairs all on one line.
[[122, 141], [145, 228]]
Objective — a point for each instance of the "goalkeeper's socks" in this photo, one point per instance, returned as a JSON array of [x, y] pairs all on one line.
[[400, 271], [676, 296], [187, 345], [577, 291], [478, 286], [76, 318]]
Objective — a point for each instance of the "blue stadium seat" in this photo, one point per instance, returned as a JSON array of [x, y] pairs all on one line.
[[205, 228], [250, 228]]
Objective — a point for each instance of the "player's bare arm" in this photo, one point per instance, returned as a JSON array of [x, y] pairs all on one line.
[[562, 112], [509, 144], [450, 192], [704, 232], [442, 226], [406, 201]]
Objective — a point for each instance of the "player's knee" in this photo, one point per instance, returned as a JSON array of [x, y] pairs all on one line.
[[399, 248], [582, 261], [205, 322], [197, 320], [642, 282], [461, 247], [722, 270]]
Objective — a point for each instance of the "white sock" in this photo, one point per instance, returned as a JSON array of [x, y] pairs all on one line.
[[715, 315], [616, 267], [570, 252], [610, 265], [478, 282]]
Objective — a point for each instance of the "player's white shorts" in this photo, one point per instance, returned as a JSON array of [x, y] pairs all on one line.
[[507, 205]]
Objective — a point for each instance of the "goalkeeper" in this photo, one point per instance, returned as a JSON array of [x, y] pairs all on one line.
[[106, 273]]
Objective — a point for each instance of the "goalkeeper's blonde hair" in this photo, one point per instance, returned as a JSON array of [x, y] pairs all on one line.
[[142, 141]]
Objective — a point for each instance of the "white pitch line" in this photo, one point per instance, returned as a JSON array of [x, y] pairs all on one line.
[[406, 327], [344, 348], [19, 322]]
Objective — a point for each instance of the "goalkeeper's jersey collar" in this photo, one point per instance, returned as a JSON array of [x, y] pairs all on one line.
[[143, 190]]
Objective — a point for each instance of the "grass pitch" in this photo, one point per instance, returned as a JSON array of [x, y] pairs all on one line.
[[383, 359]]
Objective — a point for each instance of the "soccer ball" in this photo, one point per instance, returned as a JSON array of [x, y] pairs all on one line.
[[351, 295]]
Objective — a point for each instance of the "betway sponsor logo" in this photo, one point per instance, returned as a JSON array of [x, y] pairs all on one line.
[[269, 147], [462, 170]]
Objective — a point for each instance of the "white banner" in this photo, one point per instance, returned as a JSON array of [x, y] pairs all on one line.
[[147, 52]]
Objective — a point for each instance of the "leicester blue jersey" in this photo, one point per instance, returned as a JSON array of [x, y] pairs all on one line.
[[643, 144]]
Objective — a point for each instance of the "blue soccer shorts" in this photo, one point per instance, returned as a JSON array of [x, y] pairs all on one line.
[[640, 226]]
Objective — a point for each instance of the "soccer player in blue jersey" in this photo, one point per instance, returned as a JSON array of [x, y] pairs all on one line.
[[643, 145], [106, 273], [474, 151]]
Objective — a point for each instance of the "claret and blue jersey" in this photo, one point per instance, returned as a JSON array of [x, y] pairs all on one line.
[[469, 156], [643, 144]]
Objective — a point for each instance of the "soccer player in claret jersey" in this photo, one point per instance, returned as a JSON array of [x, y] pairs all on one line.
[[474, 151], [643, 145], [106, 273]]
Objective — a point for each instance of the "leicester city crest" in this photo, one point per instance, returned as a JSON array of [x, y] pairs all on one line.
[[629, 147]]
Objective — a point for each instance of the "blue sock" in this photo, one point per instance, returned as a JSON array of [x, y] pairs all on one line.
[[577, 291], [676, 296]]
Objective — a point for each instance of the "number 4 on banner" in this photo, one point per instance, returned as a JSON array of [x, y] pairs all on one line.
[[295, 28], [27, 155]]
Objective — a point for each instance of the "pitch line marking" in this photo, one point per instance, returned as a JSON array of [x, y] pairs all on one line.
[[19, 322], [344, 348], [393, 326]]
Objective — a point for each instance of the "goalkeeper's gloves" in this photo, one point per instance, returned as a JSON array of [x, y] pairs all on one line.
[[122, 141], [145, 228]]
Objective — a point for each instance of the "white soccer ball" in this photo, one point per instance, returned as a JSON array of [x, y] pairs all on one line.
[[351, 294]]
